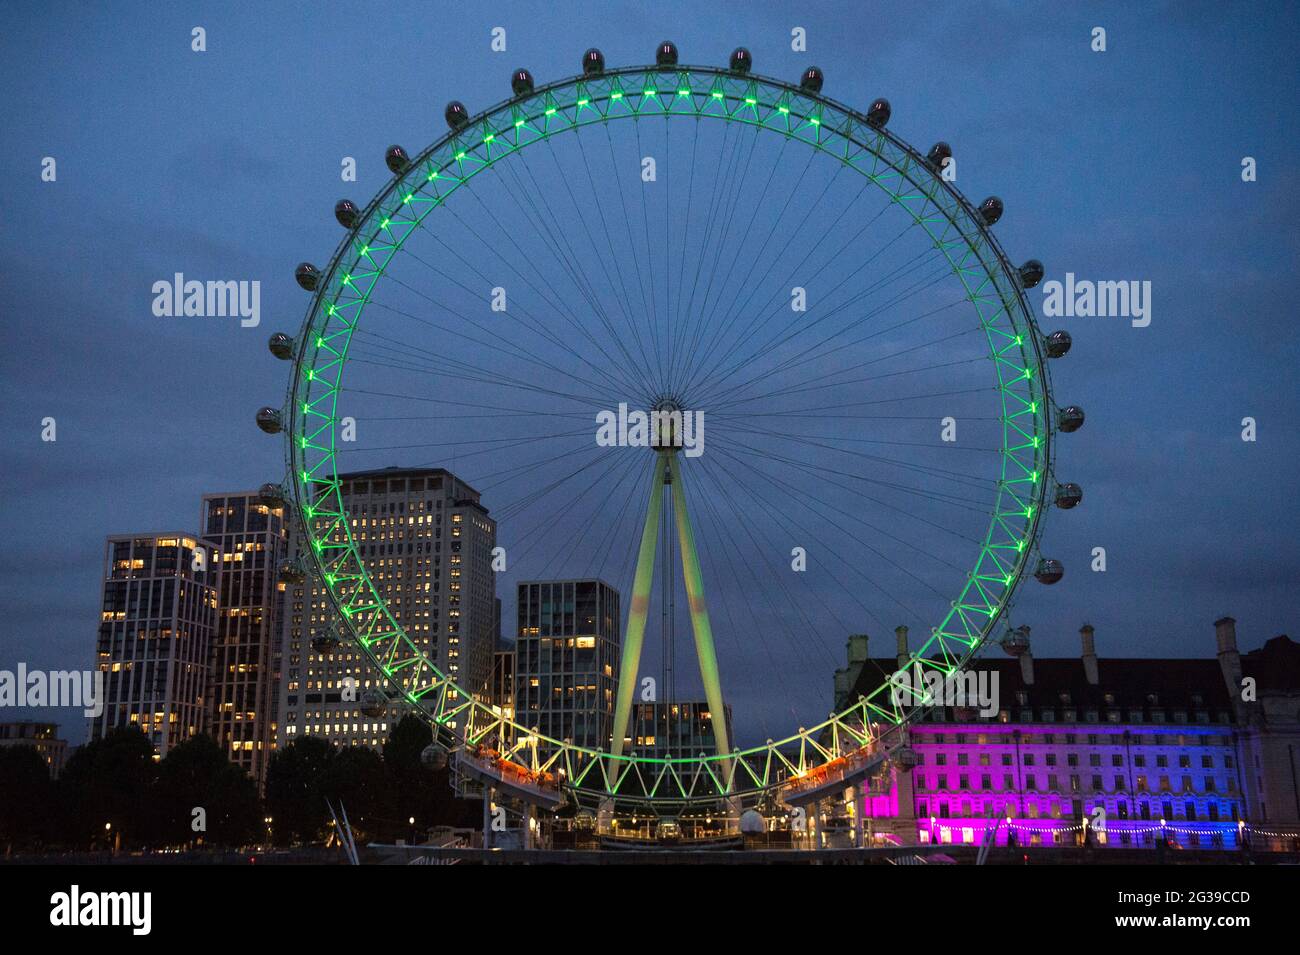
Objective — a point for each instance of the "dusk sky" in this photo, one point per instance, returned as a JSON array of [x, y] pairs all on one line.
[[1122, 165]]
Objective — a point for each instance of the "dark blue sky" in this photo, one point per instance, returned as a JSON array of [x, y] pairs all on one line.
[[225, 164]]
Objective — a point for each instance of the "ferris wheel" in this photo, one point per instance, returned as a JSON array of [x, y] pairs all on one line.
[[721, 341]]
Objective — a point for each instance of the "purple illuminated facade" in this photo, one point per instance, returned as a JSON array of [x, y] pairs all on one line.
[[1124, 753]]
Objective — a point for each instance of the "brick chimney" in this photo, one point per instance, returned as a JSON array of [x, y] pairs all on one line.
[[903, 654], [847, 678], [1089, 653], [1225, 635]]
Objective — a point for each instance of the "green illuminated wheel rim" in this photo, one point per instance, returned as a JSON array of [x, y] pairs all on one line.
[[498, 144]]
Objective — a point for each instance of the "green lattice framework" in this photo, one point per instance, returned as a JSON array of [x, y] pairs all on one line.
[[901, 172]]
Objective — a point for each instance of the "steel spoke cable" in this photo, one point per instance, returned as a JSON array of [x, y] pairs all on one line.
[[957, 477], [627, 223], [736, 189], [627, 304], [802, 492], [735, 405], [624, 302], [567, 549], [402, 362], [729, 201], [539, 327], [777, 573], [748, 450], [527, 500], [700, 355], [727, 596], [758, 628], [777, 306], [557, 517], [525, 468], [584, 286], [852, 566], [499, 383], [804, 387], [825, 314], [737, 310], [503, 443], [605, 546], [817, 376], [803, 357], [554, 299], [650, 266], [503, 344], [431, 358], [712, 220], [702, 325], [726, 492], [593, 300], [922, 285]]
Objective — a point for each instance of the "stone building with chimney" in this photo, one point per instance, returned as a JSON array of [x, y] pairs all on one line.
[[1126, 752]]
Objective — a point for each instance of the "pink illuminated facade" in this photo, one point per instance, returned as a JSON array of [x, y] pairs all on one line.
[[1124, 753]]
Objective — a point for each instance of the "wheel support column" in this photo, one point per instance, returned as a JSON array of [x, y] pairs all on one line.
[[667, 472], [704, 650], [630, 658]]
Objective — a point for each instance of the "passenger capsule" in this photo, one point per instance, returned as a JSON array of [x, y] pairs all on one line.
[[325, 642], [1016, 642], [939, 153], [373, 703], [991, 210], [396, 160], [741, 61], [1031, 273], [906, 758], [878, 114], [666, 54], [456, 115], [307, 275], [812, 80], [346, 211], [1049, 571], [281, 346], [268, 419], [1070, 419], [434, 756], [1068, 496], [272, 495], [593, 62], [1058, 343], [291, 571], [521, 82]]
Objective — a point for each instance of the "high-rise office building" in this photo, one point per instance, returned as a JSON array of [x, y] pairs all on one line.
[[42, 737], [242, 693], [674, 730], [566, 659], [157, 622], [503, 681], [426, 542]]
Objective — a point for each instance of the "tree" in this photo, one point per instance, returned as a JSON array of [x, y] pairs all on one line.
[[25, 791], [103, 792], [296, 781], [420, 791], [197, 775], [360, 783]]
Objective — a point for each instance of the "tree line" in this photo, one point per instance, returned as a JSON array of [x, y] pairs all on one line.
[[113, 794]]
